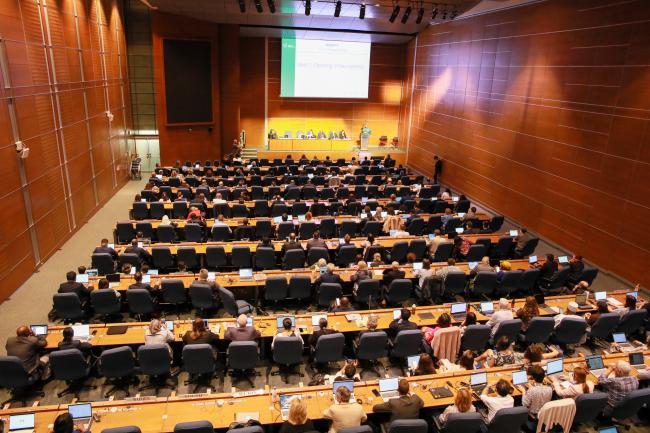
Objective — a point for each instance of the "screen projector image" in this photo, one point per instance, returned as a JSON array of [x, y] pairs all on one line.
[[324, 69]]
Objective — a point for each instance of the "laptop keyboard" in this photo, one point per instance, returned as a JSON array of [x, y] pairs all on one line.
[[387, 395], [479, 388]]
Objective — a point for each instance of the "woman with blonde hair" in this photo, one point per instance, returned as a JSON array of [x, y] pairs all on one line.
[[297, 421], [462, 404], [157, 333], [578, 385]]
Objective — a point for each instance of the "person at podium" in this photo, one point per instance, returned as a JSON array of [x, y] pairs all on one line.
[[365, 134]]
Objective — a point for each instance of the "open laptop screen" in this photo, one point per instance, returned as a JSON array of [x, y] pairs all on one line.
[[349, 384], [478, 379], [636, 358], [21, 422], [388, 384], [77, 411], [281, 319], [619, 337], [458, 308], [555, 366], [519, 377], [595, 362]]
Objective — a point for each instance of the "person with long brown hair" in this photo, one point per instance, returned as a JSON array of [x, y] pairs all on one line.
[[579, 384], [528, 311], [297, 421], [200, 334], [426, 365], [462, 404]]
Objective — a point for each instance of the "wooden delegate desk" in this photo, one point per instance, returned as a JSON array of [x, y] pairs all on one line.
[[267, 325], [309, 144], [161, 414]]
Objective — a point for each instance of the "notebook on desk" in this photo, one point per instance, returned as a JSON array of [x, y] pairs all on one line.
[[425, 316], [117, 330]]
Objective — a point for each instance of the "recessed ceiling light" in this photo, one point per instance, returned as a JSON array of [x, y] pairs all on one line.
[[377, 5]]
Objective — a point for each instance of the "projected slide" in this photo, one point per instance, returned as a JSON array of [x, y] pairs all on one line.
[[324, 69]]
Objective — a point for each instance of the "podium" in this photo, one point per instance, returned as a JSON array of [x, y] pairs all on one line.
[[364, 142]]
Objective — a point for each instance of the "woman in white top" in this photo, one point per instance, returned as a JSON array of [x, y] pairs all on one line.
[[462, 404], [157, 333], [577, 386], [287, 330]]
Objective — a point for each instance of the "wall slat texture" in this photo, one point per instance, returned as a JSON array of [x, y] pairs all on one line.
[[543, 113]]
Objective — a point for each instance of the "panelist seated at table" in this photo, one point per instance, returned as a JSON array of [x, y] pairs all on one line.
[[345, 412], [200, 334], [405, 406], [242, 331], [28, 348]]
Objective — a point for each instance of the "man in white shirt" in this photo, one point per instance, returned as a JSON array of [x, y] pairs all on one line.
[[572, 309], [503, 313], [501, 400], [436, 241]]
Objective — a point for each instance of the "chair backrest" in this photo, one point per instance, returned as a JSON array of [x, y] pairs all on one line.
[[502, 248], [194, 427], [372, 345], [68, 364], [241, 256], [327, 227], [476, 253], [287, 350], [276, 288], [529, 247], [469, 422], [367, 290], [173, 291], [317, 253], [154, 359], [407, 343], [162, 257], [198, 359], [418, 247], [117, 362], [399, 290], [12, 373], [249, 429], [329, 348], [140, 301], [443, 252], [571, 330], [416, 226], [221, 233], [589, 275], [346, 255], [125, 232], [307, 229], [632, 321], [166, 233], [509, 328], [229, 302], [360, 429], [372, 227], [285, 228], [294, 259], [348, 227], [508, 420], [124, 429], [409, 426], [242, 355], [631, 404], [263, 229], [188, 256], [605, 325], [539, 329], [67, 306], [510, 282], [529, 279], [193, 232], [484, 283], [215, 257], [589, 406], [446, 343], [328, 292], [475, 337], [399, 251], [496, 222], [455, 283], [156, 210], [103, 262], [201, 295], [300, 287], [104, 301]]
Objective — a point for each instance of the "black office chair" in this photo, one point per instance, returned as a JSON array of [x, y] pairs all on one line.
[[454, 284], [284, 229], [179, 209], [241, 257], [327, 293], [188, 256], [367, 292], [484, 284], [162, 258], [509, 329], [416, 226], [155, 361], [475, 253], [630, 406], [294, 259], [475, 338], [539, 330], [199, 363], [287, 352], [371, 347], [17, 380], [221, 233], [105, 303], [418, 247], [194, 427], [140, 303], [443, 252], [406, 343], [348, 227], [502, 249], [124, 429], [242, 360], [265, 258], [329, 348], [193, 232], [201, 297], [399, 251], [276, 288], [632, 321], [174, 293], [327, 228], [118, 366], [410, 426], [399, 291], [510, 283], [125, 232], [130, 258], [508, 420], [103, 262], [300, 288], [215, 257], [166, 233], [156, 210], [232, 306], [67, 306], [306, 230], [588, 407], [604, 326], [263, 229]]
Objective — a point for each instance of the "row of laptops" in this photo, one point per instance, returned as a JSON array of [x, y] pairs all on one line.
[[597, 367], [24, 423], [81, 332]]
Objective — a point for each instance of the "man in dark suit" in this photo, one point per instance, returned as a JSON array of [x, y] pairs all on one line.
[[316, 241], [71, 286], [291, 244], [69, 342], [27, 347], [406, 406], [401, 324], [244, 231], [242, 332], [329, 276], [437, 168], [138, 284], [142, 254], [322, 330], [104, 248], [393, 273]]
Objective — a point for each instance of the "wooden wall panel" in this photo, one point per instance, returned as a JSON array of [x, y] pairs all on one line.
[[229, 75], [251, 60], [48, 78], [545, 120]]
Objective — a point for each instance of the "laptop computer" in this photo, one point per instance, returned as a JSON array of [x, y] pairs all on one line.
[[472, 265], [81, 332], [113, 278], [519, 377], [301, 218], [461, 214], [316, 318], [459, 230], [459, 310], [595, 364], [600, 296], [637, 360], [277, 219], [169, 324], [388, 388], [555, 367], [246, 274], [82, 278], [487, 308], [150, 272], [23, 423], [478, 382], [563, 260], [620, 339], [146, 279], [608, 430], [280, 319], [417, 265], [349, 384], [285, 403], [413, 361], [81, 413], [39, 330], [635, 294], [392, 233], [532, 259], [581, 300], [514, 233], [92, 272]]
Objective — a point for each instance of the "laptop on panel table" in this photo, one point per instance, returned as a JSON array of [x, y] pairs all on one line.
[[596, 366], [388, 388], [23, 423]]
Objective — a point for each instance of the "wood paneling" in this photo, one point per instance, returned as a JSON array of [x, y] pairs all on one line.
[[542, 112], [251, 57], [48, 80], [229, 66], [185, 142]]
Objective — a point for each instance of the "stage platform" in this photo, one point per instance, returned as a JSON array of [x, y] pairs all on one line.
[[395, 152]]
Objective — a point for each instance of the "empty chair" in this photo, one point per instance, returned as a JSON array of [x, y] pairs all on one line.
[[299, 208], [416, 226], [284, 229], [234, 307], [411, 426], [329, 348], [287, 352], [443, 252], [327, 293], [239, 211], [496, 222], [17, 380], [130, 258], [475, 253], [399, 291], [265, 258], [103, 262], [140, 302], [454, 283], [125, 232], [306, 230], [162, 258], [166, 233], [510, 282], [508, 420], [372, 228], [327, 228], [199, 363], [179, 209], [68, 306], [294, 259], [470, 422], [571, 330], [604, 326], [241, 256], [399, 251], [300, 287], [589, 275], [276, 289], [193, 232], [124, 429], [361, 429], [156, 210], [221, 233], [406, 343], [316, 253], [557, 281], [188, 256], [263, 229], [118, 367], [367, 292], [242, 357], [484, 284], [529, 280], [201, 296], [539, 330], [71, 367], [155, 362], [348, 227], [279, 209], [145, 228], [418, 247], [589, 406], [502, 249], [215, 257], [372, 346], [475, 338], [173, 292], [346, 255], [194, 427], [105, 302], [508, 328], [632, 321]]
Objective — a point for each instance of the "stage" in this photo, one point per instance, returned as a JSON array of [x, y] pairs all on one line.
[[395, 152]]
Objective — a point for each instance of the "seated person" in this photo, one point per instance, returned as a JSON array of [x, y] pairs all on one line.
[[501, 400], [287, 330], [537, 354], [401, 324], [462, 404], [406, 406], [245, 231], [536, 394], [138, 284], [443, 321], [134, 248], [322, 330], [578, 384], [344, 413], [348, 372], [464, 363], [361, 274], [503, 313], [200, 334], [69, 342], [619, 386], [426, 365], [330, 276], [157, 333], [297, 421], [28, 348], [242, 332], [376, 260], [344, 305], [392, 273], [316, 241], [71, 286], [501, 355], [103, 248]]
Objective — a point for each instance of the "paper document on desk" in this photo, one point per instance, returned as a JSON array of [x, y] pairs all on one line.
[[352, 317], [379, 272], [259, 276], [615, 302]]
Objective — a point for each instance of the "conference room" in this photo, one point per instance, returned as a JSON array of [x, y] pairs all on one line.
[[324, 216]]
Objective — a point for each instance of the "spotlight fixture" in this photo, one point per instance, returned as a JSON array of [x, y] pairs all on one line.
[[393, 16], [271, 4], [258, 6], [407, 14], [362, 11], [242, 6], [434, 13], [337, 9], [418, 19], [307, 7]]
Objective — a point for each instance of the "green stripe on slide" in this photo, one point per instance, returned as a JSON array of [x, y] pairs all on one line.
[[288, 69]]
